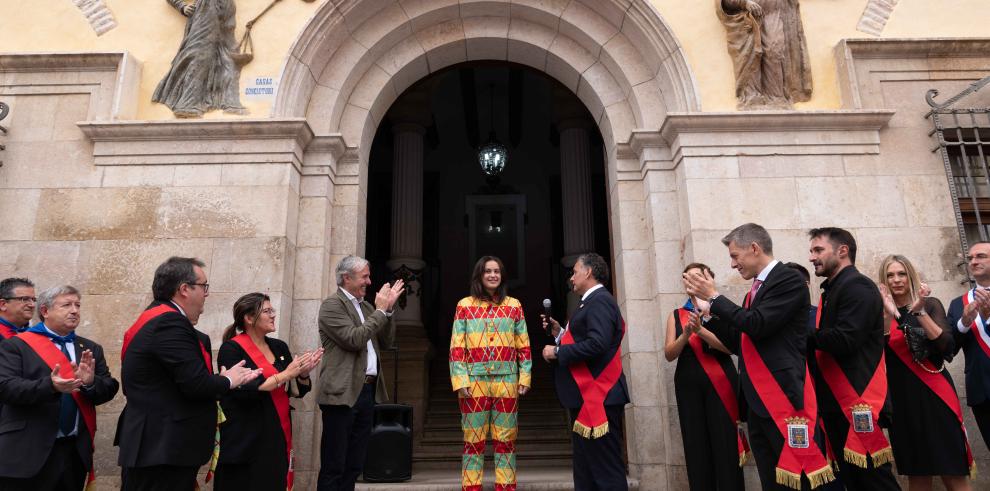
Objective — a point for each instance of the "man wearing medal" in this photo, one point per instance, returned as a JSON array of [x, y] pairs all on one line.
[[769, 332], [848, 362]]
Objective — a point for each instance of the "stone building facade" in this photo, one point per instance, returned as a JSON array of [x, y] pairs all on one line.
[[97, 187]]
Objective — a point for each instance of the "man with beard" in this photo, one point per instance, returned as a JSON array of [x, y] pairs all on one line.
[[850, 374]]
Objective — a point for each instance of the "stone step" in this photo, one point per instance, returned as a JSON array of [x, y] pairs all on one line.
[[530, 478]]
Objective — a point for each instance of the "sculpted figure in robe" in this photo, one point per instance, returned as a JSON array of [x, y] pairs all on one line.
[[204, 75], [769, 52]]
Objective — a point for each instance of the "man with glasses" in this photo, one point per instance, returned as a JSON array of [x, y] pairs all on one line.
[[17, 303], [167, 429], [970, 315]]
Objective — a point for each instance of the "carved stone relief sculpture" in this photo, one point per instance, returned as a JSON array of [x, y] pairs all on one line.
[[205, 74], [769, 52]]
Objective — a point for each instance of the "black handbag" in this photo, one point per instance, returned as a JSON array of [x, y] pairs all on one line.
[[916, 340]]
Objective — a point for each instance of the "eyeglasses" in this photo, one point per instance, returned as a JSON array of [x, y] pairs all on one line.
[[981, 257], [269, 312], [24, 299], [206, 286]]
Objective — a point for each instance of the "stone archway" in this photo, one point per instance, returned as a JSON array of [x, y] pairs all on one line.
[[355, 57]]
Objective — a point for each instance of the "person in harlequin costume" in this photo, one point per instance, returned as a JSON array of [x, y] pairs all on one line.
[[490, 366]]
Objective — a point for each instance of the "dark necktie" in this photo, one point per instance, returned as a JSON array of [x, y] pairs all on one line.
[[67, 410]]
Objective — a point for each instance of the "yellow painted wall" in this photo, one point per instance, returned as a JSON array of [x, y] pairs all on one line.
[[151, 31]]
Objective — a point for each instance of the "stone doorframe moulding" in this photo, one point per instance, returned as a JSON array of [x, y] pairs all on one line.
[[356, 57]]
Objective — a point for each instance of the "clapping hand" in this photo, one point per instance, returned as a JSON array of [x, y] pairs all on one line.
[[923, 292], [306, 362], [239, 375], [64, 385], [86, 369], [699, 284], [889, 307], [694, 324], [980, 305]]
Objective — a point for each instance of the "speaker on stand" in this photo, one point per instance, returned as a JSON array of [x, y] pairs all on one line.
[[390, 446]]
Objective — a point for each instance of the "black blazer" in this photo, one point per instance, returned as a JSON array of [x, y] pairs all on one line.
[[597, 330], [252, 422], [777, 323], [851, 330], [171, 412], [29, 419], [977, 363]]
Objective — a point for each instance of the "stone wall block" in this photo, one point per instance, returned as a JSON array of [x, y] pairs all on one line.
[[567, 58], [45, 263], [527, 42], [256, 174], [86, 214], [308, 280], [770, 202], [853, 201], [934, 251], [444, 44], [20, 208], [927, 201], [711, 167], [304, 330], [138, 175], [641, 318], [344, 233], [635, 226], [105, 318], [423, 13], [585, 24], [255, 211], [664, 213], [621, 56], [196, 175], [33, 165], [791, 165], [128, 266], [668, 263], [314, 214], [486, 37], [255, 264], [646, 100], [634, 272], [647, 447], [642, 377]]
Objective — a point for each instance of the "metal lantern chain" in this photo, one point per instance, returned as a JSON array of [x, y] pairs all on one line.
[[492, 155]]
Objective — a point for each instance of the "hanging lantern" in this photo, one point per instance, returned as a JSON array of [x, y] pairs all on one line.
[[492, 157]]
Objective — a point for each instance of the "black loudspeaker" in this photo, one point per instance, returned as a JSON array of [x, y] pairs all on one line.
[[390, 446]]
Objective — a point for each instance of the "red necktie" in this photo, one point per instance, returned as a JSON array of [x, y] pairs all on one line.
[[753, 290]]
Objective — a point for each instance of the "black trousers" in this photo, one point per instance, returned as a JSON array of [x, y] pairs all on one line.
[[159, 478], [711, 450], [344, 442], [981, 413], [766, 442], [598, 464], [854, 477], [62, 471]]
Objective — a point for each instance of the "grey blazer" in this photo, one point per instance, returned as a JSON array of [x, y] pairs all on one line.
[[345, 341]]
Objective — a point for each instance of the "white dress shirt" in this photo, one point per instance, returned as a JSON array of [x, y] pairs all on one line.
[[372, 367], [979, 319]]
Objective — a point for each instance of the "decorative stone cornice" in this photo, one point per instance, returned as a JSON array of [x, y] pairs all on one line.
[[768, 121], [914, 48], [174, 142]]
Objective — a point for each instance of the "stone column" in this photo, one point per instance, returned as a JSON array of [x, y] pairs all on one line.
[[408, 130], [575, 184]]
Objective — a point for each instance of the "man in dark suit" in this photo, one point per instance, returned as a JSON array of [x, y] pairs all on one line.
[[849, 342], [353, 334], [50, 382], [772, 327], [590, 348], [970, 316], [166, 431]]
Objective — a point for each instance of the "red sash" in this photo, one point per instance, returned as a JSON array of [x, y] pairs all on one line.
[[51, 355], [870, 440], [279, 396], [591, 421], [934, 381], [793, 460], [6, 332], [720, 381], [146, 317], [976, 328]]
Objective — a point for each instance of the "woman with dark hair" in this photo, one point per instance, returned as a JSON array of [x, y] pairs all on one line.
[[490, 366], [926, 433], [256, 438], [705, 382]]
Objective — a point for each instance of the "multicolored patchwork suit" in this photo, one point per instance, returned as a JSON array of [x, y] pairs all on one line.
[[490, 356]]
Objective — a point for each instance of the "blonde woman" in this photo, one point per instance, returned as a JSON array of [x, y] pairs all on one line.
[[927, 434]]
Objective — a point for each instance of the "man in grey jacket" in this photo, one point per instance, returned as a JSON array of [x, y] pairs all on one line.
[[352, 332]]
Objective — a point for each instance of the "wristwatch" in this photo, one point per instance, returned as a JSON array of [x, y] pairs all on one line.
[[555, 350], [712, 298]]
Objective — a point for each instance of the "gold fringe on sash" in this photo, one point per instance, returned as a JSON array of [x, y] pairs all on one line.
[[879, 458], [743, 457], [972, 470], [816, 478], [591, 433]]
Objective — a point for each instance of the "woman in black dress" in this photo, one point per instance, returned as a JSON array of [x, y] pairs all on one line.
[[713, 449], [255, 439], [926, 434]]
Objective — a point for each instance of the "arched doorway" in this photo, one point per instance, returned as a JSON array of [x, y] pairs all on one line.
[[619, 57], [547, 206]]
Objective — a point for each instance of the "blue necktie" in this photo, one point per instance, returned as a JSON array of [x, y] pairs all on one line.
[[67, 411]]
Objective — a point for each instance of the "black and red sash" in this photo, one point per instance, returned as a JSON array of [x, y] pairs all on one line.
[[862, 410], [51, 355], [799, 454], [144, 319], [720, 381], [934, 380], [279, 396], [591, 421]]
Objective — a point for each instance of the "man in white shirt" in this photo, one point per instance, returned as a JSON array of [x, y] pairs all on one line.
[[352, 333], [970, 317]]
